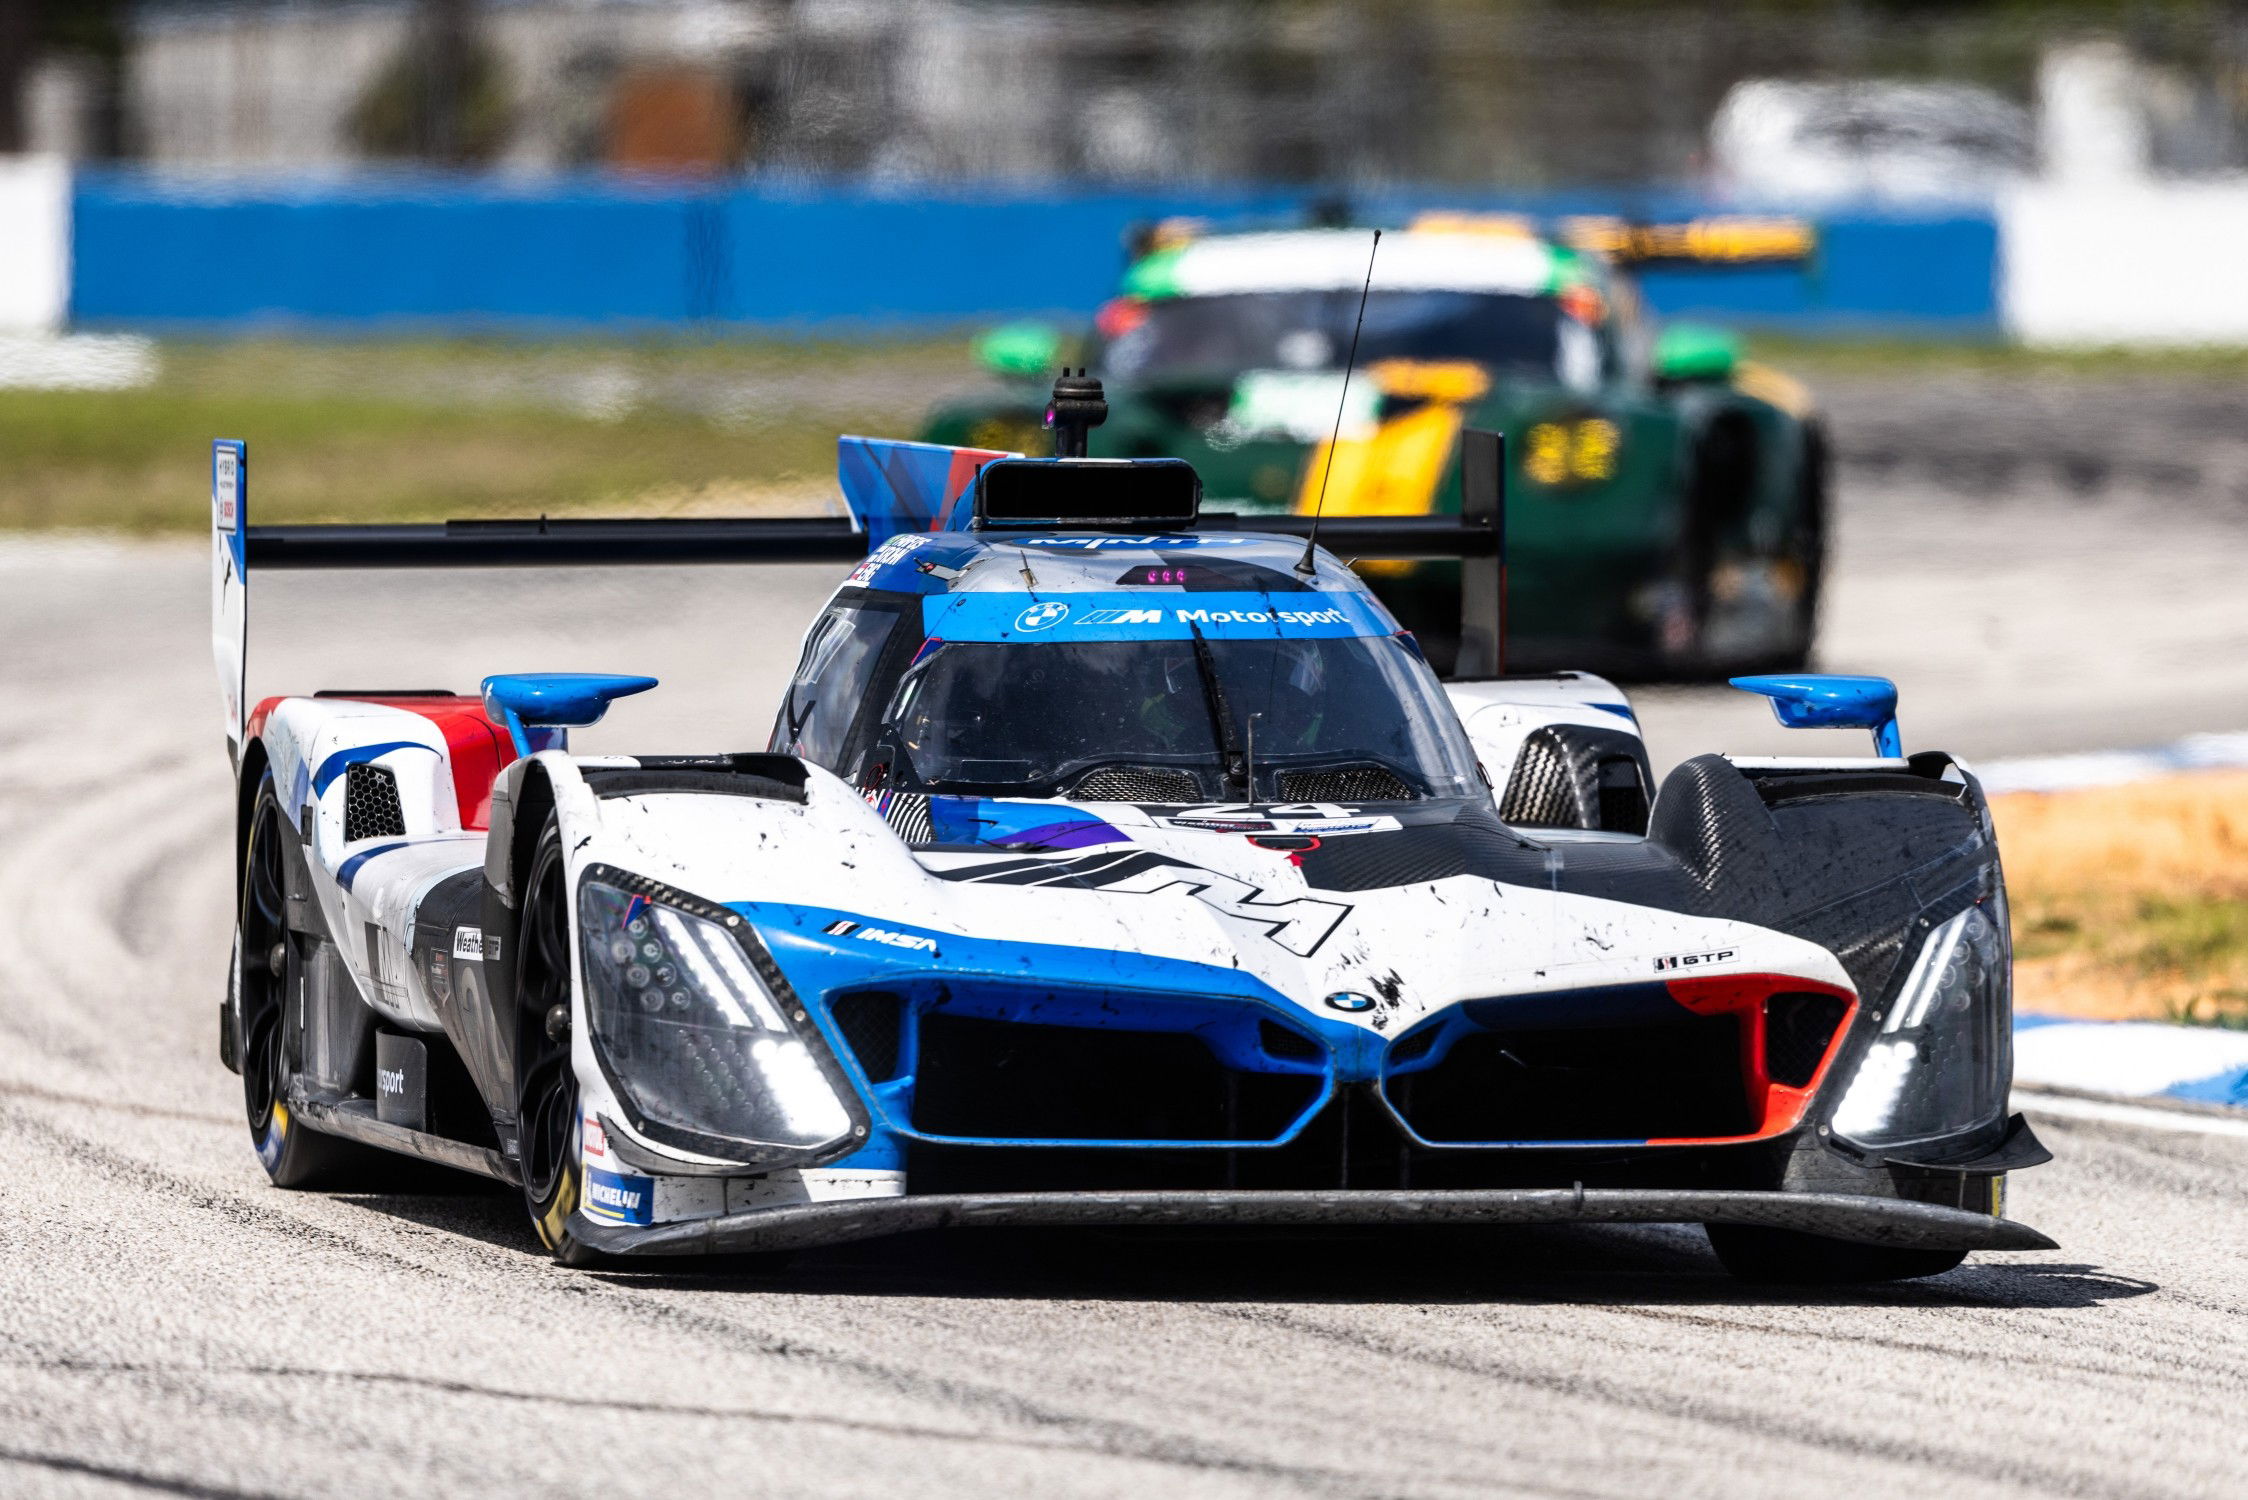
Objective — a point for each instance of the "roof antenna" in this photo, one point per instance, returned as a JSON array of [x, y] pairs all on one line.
[[1304, 564]]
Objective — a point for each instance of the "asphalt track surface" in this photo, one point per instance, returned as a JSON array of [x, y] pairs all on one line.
[[169, 1323]]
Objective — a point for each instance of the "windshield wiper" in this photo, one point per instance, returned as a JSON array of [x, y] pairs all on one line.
[[1221, 715]]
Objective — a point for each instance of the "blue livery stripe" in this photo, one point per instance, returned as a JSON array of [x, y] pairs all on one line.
[[336, 764], [348, 871]]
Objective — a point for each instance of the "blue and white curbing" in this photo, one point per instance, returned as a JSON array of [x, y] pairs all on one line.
[[2060, 773], [2132, 1059], [2126, 1059]]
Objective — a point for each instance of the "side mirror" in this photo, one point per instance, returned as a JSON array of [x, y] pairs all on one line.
[[1819, 700], [1019, 351], [1695, 351]]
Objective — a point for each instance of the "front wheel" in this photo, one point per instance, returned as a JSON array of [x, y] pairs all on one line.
[[546, 1078], [1789, 1257]]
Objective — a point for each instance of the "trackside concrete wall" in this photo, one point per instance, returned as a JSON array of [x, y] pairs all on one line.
[[35, 197], [2130, 264]]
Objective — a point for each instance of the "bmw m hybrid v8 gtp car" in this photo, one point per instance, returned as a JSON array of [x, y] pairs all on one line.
[[1111, 863]]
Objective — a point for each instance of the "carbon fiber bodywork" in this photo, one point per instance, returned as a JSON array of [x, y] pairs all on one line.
[[1861, 1220]]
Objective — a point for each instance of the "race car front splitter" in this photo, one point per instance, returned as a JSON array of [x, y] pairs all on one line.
[[1862, 1218]]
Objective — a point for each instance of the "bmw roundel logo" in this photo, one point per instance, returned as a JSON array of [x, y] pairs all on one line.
[[1042, 617], [1349, 1000]]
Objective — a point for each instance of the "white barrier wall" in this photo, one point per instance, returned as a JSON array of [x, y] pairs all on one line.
[[34, 244], [2124, 264]]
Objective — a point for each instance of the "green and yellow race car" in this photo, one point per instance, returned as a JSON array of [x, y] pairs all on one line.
[[1666, 511]]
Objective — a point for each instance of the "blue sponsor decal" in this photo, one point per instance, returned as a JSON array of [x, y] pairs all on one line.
[[343, 760], [348, 871], [619, 1198], [1141, 616]]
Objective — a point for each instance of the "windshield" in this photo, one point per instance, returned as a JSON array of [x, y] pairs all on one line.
[[1351, 719], [1311, 331]]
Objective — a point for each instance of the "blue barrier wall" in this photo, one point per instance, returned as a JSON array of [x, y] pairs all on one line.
[[456, 253]]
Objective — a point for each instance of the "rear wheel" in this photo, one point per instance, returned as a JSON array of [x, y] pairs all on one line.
[[547, 1081], [270, 974], [1789, 1257]]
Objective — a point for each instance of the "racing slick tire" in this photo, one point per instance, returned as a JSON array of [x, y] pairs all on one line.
[[1789, 1257], [546, 1078], [269, 963]]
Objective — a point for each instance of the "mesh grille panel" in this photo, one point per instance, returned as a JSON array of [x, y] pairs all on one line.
[[1409, 1047], [872, 1023], [1137, 784], [1030, 1081], [1279, 1041], [370, 804], [1797, 1028], [1618, 1082], [1344, 784]]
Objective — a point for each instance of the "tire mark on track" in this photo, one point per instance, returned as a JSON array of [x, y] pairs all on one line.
[[1771, 1427], [155, 888], [2113, 1376], [822, 1420], [56, 882], [209, 1197], [133, 1478], [117, 1106], [1107, 1435]]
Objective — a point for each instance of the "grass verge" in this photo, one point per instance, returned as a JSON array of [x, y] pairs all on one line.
[[1875, 356], [425, 429], [2131, 901]]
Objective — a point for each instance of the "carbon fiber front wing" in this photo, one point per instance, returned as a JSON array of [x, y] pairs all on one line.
[[1861, 1218]]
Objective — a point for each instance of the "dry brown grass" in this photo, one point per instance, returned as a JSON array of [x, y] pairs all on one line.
[[2131, 901]]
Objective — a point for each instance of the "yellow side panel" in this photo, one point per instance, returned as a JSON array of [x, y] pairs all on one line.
[[1393, 472]]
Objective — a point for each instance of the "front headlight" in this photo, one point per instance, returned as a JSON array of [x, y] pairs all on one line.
[[1942, 1061], [692, 1035]]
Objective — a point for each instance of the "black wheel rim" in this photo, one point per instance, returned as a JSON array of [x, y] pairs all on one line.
[[549, 1104], [262, 991]]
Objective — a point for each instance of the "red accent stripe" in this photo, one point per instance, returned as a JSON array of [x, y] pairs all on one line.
[[1778, 1107], [966, 464]]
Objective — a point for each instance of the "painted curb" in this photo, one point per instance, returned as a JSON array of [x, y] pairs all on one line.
[[2060, 773], [2132, 1059]]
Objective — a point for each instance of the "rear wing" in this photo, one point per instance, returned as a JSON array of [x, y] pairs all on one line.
[[927, 483], [1712, 242]]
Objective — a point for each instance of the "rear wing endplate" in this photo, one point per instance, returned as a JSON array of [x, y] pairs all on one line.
[[230, 590]]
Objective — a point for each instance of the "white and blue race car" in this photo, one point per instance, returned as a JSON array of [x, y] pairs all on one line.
[[1110, 865]]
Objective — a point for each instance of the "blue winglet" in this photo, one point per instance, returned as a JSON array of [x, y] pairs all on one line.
[[554, 700], [1817, 701]]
